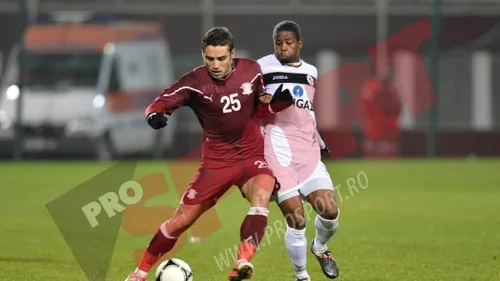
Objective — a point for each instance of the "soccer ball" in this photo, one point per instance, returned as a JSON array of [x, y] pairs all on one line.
[[174, 270]]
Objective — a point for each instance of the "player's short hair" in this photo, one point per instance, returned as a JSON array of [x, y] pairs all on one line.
[[218, 36], [287, 25]]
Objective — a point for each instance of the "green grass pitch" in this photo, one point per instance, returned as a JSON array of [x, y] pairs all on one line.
[[413, 220]]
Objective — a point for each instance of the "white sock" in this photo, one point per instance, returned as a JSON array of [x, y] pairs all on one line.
[[296, 245], [141, 273], [325, 229]]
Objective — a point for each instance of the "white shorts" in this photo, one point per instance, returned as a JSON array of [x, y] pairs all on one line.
[[295, 159], [319, 179]]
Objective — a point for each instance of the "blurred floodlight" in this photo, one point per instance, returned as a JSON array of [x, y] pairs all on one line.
[[12, 92]]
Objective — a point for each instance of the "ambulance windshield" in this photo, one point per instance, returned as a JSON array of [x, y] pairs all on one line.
[[51, 70]]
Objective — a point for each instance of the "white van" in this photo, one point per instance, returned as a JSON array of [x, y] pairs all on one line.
[[86, 89]]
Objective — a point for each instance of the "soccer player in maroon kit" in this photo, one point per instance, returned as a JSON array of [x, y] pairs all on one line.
[[226, 94], [381, 108]]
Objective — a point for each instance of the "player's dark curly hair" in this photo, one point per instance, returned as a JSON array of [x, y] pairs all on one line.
[[287, 25], [218, 36]]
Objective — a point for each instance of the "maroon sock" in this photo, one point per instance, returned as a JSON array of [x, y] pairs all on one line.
[[158, 246], [252, 231]]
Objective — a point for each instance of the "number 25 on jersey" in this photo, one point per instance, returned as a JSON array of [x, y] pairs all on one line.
[[231, 103]]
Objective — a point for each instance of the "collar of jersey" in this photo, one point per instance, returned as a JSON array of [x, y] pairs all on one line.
[[230, 72], [294, 64]]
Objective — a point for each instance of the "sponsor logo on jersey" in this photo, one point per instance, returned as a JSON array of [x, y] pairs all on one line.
[[304, 104], [286, 77], [280, 77], [298, 91]]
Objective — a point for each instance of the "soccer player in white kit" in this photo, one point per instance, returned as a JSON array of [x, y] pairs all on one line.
[[293, 149]]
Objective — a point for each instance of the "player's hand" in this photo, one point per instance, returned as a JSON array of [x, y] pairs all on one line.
[[265, 98], [281, 99], [157, 120], [325, 152]]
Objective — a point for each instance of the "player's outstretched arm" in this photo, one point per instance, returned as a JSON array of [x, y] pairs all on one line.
[[173, 97], [281, 100]]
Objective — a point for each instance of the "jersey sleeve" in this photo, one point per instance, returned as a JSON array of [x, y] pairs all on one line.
[[315, 72], [258, 80], [259, 83], [176, 95], [263, 110], [262, 67]]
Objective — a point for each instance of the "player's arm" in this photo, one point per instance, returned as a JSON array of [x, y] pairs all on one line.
[[265, 98], [325, 150], [280, 100], [260, 87], [173, 97], [263, 104], [269, 104]]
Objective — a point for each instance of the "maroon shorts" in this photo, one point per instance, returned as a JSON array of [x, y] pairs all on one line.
[[210, 184]]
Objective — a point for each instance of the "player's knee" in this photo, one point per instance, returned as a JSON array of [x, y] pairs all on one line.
[[260, 198], [295, 220], [176, 229], [330, 213], [293, 211], [325, 205], [261, 190], [294, 216], [182, 220]]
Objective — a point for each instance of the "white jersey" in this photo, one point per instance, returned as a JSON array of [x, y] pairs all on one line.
[[291, 140], [293, 130]]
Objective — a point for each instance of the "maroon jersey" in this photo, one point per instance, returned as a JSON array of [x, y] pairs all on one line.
[[225, 109]]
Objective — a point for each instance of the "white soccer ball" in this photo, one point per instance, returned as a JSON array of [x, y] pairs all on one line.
[[174, 270]]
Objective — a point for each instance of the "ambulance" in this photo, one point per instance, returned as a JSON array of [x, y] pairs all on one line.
[[86, 87]]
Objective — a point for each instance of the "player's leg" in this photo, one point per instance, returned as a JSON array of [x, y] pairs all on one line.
[[257, 185], [290, 203], [291, 206], [202, 193], [326, 224], [319, 192], [390, 143], [166, 236], [370, 148], [370, 142]]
